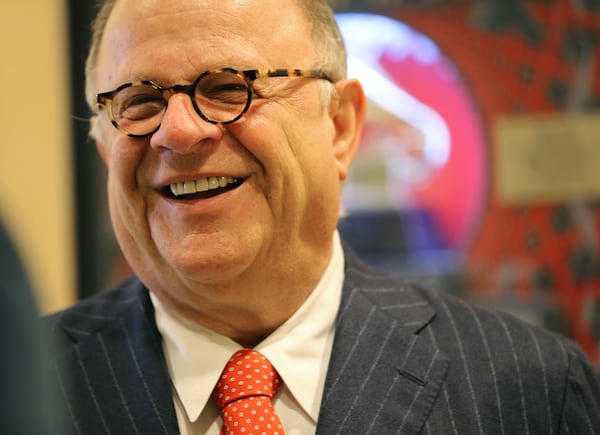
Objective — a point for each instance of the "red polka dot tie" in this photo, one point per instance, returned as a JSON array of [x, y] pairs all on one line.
[[244, 394]]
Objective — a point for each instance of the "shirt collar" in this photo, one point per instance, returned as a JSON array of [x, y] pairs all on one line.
[[299, 349]]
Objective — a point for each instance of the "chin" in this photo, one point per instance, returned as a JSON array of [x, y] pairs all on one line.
[[211, 269]]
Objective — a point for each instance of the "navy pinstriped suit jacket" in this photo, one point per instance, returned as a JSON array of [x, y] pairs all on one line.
[[405, 360]]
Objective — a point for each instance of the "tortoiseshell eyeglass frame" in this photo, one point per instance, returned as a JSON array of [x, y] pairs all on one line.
[[105, 99]]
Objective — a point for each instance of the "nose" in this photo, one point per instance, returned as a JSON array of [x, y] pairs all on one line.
[[182, 130]]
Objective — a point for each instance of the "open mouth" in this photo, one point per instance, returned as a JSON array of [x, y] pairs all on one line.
[[202, 188]]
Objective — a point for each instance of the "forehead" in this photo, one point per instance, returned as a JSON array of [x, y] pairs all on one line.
[[174, 40]]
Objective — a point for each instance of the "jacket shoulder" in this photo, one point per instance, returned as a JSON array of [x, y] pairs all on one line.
[[90, 314]]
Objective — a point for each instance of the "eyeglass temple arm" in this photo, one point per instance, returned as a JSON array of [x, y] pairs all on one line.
[[282, 72]]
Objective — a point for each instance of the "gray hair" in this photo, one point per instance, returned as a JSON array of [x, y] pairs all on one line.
[[98, 26]]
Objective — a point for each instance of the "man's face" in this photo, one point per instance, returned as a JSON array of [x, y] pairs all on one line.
[[285, 150]]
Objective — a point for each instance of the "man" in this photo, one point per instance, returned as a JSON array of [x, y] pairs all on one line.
[[225, 203]]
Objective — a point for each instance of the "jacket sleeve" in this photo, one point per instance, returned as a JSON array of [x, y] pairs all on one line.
[[581, 410]]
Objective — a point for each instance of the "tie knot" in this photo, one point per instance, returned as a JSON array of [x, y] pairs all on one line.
[[247, 373]]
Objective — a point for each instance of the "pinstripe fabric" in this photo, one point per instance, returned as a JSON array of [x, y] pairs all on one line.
[[110, 366], [404, 360], [407, 360]]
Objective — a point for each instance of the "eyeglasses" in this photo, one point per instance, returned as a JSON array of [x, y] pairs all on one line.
[[220, 97]]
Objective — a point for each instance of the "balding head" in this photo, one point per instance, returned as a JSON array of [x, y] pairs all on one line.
[[326, 37]]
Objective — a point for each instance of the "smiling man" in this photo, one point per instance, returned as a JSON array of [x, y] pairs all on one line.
[[227, 127], [269, 173]]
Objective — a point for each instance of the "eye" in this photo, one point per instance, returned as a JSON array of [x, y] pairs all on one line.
[[222, 88], [142, 108], [138, 102]]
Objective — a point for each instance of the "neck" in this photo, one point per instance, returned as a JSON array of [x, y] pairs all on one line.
[[249, 310]]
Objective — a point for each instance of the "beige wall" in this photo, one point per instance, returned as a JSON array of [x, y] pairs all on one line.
[[35, 161]]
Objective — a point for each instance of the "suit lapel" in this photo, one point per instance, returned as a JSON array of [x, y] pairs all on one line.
[[121, 383], [384, 373]]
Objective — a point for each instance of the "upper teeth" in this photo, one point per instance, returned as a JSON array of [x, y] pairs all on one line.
[[201, 185]]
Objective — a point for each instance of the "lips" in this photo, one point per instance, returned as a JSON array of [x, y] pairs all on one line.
[[203, 187]]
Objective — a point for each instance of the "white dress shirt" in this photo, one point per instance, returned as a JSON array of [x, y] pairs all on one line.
[[299, 350]]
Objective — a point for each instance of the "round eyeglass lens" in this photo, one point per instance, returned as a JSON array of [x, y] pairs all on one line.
[[138, 109], [222, 96]]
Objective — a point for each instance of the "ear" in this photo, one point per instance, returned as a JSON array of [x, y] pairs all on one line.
[[97, 135], [348, 112]]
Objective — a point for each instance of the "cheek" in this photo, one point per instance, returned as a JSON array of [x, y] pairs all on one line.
[[311, 150], [127, 203], [311, 175], [293, 144], [124, 158]]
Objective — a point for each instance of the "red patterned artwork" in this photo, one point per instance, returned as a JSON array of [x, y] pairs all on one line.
[[542, 259]]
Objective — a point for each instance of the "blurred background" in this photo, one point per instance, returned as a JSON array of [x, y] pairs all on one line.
[[478, 172]]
